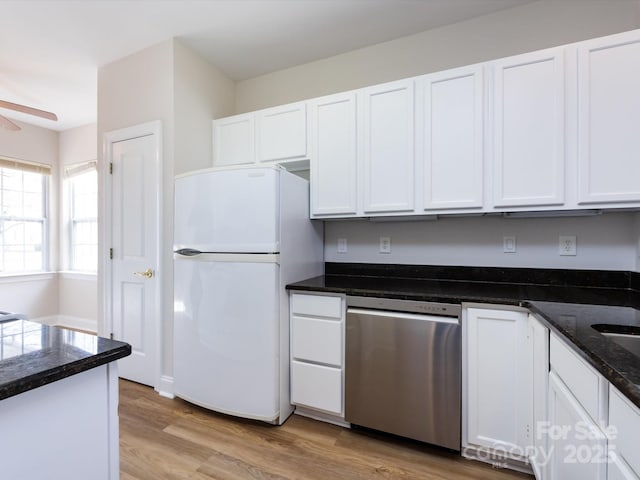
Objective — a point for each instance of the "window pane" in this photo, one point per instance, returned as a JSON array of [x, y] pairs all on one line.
[[83, 194], [22, 220]]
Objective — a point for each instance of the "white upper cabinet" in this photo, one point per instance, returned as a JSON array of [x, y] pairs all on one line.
[[450, 138], [529, 129], [387, 116], [281, 133], [608, 119], [332, 143], [233, 140], [276, 134]]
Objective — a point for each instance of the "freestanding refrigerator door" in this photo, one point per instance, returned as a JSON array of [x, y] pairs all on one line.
[[233, 211], [226, 331]]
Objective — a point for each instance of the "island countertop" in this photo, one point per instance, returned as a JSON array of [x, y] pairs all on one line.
[[33, 354]]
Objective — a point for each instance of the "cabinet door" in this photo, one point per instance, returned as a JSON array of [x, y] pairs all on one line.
[[332, 139], [574, 453], [388, 147], [498, 380], [608, 119], [451, 137], [282, 133], [529, 129], [233, 140]]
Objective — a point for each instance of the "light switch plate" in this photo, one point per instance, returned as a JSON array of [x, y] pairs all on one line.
[[509, 244], [385, 244]]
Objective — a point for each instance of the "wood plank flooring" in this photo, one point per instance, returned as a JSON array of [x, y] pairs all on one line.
[[172, 439]]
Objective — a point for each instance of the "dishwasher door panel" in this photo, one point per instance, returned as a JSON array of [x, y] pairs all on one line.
[[402, 374]]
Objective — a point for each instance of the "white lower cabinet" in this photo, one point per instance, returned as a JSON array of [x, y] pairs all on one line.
[[500, 387], [577, 448], [317, 353], [624, 427], [576, 443]]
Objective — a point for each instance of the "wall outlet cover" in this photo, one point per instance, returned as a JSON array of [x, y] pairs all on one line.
[[342, 245], [385, 244], [567, 245], [509, 244]]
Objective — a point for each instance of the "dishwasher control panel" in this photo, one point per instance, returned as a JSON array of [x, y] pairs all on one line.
[[410, 306]]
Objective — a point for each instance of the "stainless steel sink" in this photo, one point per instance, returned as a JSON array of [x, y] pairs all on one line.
[[627, 336]]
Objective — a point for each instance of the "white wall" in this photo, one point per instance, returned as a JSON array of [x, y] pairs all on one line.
[[78, 292], [608, 241], [530, 27], [34, 295], [166, 82]]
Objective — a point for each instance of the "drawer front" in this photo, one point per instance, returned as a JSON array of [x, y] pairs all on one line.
[[317, 340], [317, 387], [316, 305], [626, 419], [582, 380]]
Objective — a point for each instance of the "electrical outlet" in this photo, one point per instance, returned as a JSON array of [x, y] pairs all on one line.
[[385, 244], [342, 245], [509, 244], [567, 245]]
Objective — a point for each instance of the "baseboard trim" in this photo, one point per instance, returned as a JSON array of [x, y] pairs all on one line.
[[496, 459], [68, 321], [165, 387], [321, 416]]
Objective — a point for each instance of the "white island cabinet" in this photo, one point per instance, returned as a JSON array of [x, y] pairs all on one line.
[[58, 403]]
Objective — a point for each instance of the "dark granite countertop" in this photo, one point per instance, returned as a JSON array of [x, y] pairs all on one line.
[[33, 355], [567, 301]]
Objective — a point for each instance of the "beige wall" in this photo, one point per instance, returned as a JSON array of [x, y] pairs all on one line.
[[34, 295], [530, 27], [170, 83], [201, 93]]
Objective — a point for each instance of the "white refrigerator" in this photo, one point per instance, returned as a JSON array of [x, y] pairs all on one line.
[[241, 235]]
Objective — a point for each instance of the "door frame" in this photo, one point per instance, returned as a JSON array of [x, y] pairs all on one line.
[[105, 327]]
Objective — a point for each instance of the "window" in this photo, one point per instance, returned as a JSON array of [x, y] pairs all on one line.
[[82, 182], [23, 225]]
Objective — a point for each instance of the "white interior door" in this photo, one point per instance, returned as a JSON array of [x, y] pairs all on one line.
[[133, 307]]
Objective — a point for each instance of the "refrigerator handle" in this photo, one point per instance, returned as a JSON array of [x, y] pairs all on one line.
[[188, 252]]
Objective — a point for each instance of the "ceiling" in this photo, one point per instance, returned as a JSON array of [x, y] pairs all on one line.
[[51, 49]]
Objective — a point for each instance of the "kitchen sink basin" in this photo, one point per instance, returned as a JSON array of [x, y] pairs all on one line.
[[627, 336]]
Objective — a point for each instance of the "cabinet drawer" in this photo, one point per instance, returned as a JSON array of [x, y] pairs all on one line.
[[316, 305], [586, 385], [316, 386], [317, 340], [625, 417]]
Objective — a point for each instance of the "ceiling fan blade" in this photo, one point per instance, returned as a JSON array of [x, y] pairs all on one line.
[[28, 110], [8, 124]]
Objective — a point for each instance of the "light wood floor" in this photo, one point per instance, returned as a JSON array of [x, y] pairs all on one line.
[[172, 439]]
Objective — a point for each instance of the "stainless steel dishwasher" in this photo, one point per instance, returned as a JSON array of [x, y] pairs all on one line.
[[403, 368]]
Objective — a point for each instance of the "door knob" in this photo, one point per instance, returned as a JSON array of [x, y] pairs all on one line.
[[147, 273]]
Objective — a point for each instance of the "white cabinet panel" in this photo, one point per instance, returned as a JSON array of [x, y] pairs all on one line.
[[539, 341], [625, 418], [316, 386], [529, 129], [233, 140], [317, 340], [451, 138], [316, 305], [573, 454], [584, 382], [499, 390], [281, 133], [618, 470], [332, 138], [608, 119], [388, 147]]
